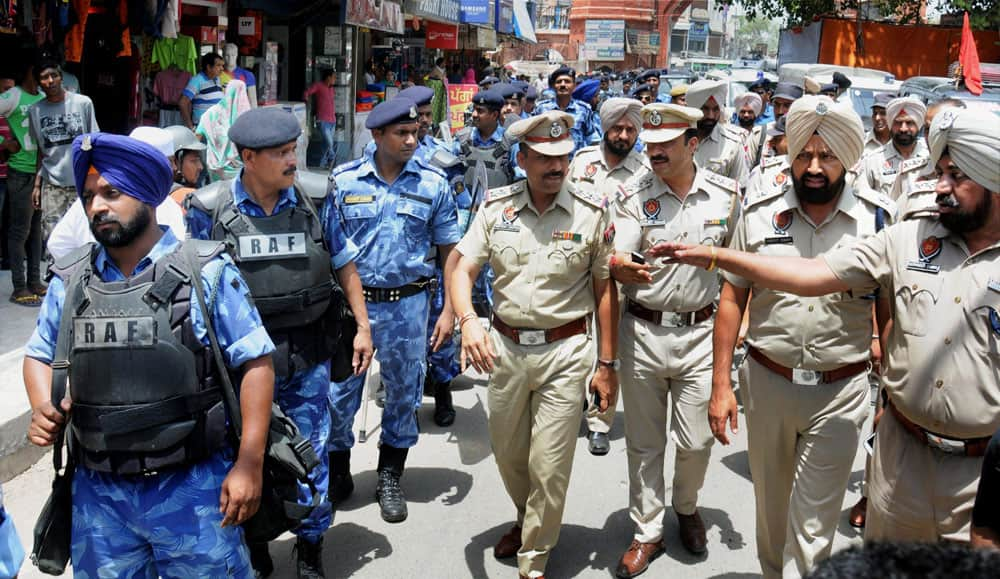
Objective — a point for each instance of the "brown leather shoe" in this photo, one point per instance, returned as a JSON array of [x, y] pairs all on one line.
[[509, 544], [858, 513], [692, 532], [636, 560]]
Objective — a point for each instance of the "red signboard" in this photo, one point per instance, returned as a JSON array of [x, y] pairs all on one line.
[[444, 36]]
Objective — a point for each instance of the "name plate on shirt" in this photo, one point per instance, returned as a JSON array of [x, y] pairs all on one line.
[[923, 266], [651, 222], [276, 246], [101, 333], [781, 239]]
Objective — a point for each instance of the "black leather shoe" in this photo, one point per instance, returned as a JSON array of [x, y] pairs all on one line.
[[598, 443], [310, 559], [444, 410], [260, 560], [390, 497]]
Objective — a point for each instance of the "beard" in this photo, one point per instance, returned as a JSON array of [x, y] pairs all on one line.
[[903, 139], [619, 147], [819, 195], [746, 123], [706, 126], [125, 233], [965, 221]]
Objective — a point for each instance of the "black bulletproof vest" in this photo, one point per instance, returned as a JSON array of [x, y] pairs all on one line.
[[285, 262], [144, 388]]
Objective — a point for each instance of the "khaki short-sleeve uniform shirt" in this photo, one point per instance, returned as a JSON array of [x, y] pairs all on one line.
[[647, 212], [590, 172], [544, 262], [881, 167], [812, 333], [723, 152], [942, 366]]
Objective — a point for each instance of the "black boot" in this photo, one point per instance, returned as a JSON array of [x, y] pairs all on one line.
[[444, 411], [310, 559], [341, 483], [388, 493], [260, 560]]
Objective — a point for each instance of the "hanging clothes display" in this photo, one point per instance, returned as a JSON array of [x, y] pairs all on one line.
[[180, 52]]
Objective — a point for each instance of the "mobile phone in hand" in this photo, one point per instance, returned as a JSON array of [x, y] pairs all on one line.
[[638, 258], [597, 399]]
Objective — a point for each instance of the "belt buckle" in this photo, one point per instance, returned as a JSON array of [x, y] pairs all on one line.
[[531, 337], [673, 320], [806, 377], [945, 445]]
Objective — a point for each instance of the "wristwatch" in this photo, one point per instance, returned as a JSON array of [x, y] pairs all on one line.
[[615, 364]]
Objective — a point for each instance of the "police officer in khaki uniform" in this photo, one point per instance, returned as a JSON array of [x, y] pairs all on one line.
[[879, 135], [806, 384], [942, 364], [772, 171], [600, 170], [549, 245], [880, 168], [748, 108], [720, 146], [668, 310]]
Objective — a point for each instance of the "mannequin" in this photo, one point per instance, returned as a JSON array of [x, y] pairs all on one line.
[[230, 54]]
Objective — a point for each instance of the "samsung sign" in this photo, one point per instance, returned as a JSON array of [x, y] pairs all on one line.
[[476, 12]]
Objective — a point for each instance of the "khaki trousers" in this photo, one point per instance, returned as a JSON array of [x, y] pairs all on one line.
[[802, 441], [917, 493], [534, 404], [663, 368]]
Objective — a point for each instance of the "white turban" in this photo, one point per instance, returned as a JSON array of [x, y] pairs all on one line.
[[972, 138], [749, 98], [614, 109], [811, 85], [836, 123], [700, 91], [912, 106]]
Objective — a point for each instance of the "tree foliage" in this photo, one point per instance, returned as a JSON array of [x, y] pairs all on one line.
[[983, 14]]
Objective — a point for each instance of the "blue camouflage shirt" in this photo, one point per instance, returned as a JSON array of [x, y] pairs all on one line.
[[662, 97], [341, 249], [241, 334], [586, 126], [393, 225]]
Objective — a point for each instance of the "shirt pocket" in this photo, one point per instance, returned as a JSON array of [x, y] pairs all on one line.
[[357, 211], [415, 212], [567, 258], [916, 298], [507, 256], [984, 315]]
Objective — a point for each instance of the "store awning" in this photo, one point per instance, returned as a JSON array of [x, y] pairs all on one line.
[[524, 28]]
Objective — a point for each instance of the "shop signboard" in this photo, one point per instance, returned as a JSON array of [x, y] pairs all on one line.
[[476, 12], [505, 16], [441, 10], [643, 42], [440, 35], [698, 31], [604, 40], [459, 99], [486, 38], [449, 10], [385, 15]]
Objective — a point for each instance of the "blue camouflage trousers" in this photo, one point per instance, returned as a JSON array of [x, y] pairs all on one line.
[[399, 332], [442, 366], [482, 289], [303, 397], [165, 525]]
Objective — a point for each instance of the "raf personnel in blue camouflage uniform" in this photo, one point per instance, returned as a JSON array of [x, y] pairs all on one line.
[[586, 126], [652, 78], [427, 144], [136, 511], [247, 211], [394, 209], [513, 96]]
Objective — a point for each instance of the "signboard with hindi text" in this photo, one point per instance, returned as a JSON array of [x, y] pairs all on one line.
[[459, 99], [604, 40]]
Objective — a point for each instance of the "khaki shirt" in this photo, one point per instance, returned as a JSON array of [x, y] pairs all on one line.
[[755, 142], [648, 212], [811, 333], [914, 189], [942, 366], [771, 174], [590, 172], [871, 143], [544, 263], [722, 152], [881, 167]]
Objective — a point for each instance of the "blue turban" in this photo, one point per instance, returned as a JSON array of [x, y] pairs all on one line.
[[133, 167], [586, 90]]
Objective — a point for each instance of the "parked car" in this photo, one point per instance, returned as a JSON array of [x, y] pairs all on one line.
[[865, 83], [933, 88]]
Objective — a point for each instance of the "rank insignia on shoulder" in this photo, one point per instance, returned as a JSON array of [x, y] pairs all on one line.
[[925, 186], [928, 249], [911, 164], [609, 234], [567, 236], [722, 181]]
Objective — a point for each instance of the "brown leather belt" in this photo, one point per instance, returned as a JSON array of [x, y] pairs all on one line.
[[526, 337], [964, 447], [670, 319], [816, 376]]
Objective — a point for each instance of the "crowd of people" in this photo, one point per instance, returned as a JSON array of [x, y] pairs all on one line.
[[658, 244]]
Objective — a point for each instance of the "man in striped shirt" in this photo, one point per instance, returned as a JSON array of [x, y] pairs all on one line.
[[203, 90]]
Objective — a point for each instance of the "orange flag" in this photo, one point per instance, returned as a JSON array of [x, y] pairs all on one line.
[[968, 60]]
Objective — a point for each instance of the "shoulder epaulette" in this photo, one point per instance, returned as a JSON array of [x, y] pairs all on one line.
[[761, 195], [634, 184], [920, 213], [589, 197], [875, 198], [725, 182], [912, 163], [585, 150], [505, 192], [772, 161], [924, 186], [347, 166], [732, 133]]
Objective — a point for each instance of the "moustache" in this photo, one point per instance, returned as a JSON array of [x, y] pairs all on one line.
[[553, 175], [102, 219], [290, 171], [947, 200], [659, 159]]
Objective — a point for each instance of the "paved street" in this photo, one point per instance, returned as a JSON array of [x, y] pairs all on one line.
[[458, 509]]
